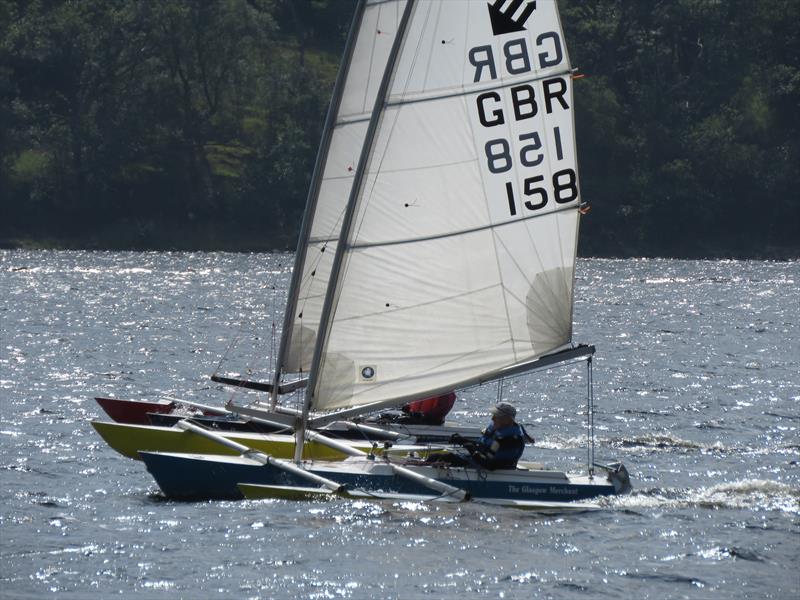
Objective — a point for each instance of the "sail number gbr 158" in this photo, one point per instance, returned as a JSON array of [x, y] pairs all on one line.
[[531, 149]]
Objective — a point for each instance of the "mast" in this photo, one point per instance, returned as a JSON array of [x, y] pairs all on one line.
[[313, 195], [348, 219]]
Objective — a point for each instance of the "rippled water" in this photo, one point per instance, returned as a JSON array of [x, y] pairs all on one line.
[[697, 382]]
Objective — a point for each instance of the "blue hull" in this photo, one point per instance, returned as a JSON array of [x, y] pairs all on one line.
[[184, 477], [191, 479]]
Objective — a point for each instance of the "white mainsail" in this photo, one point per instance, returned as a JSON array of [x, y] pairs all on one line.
[[373, 34], [460, 242]]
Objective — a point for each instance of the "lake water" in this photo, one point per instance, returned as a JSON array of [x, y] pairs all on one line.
[[697, 382]]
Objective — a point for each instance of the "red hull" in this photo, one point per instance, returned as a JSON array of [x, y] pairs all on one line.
[[133, 412]]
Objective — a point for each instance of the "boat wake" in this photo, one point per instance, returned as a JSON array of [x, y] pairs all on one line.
[[663, 442], [647, 443], [748, 494], [559, 443]]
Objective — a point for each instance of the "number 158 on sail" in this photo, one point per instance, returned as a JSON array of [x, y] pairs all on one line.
[[565, 190], [535, 188]]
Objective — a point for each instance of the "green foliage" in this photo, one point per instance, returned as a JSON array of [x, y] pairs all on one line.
[[688, 125], [29, 166], [186, 123], [133, 116]]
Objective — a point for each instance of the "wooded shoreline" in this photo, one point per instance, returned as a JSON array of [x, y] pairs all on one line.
[[184, 125]]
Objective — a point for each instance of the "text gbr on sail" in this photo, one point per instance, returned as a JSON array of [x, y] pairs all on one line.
[[517, 59]]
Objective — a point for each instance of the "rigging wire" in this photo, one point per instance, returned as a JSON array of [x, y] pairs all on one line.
[[590, 417], [273, 328], [225, 354]]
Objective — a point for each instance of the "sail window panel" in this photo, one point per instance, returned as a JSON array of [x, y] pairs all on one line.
[[328, 217], [373, 46], [442, 34], [344, 151], [300, 351]]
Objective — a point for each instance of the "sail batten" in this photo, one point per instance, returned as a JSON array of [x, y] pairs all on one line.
[[354, 120], [461, 92], [357, 246]]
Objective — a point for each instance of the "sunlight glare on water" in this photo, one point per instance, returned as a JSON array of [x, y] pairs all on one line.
[[697, 387]]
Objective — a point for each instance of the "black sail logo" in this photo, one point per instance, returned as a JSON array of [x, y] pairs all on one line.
[[503, 20]]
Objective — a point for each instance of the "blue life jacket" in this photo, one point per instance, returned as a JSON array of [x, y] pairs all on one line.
[[500, 448]]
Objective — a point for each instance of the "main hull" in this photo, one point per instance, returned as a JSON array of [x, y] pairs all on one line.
[[129, 440], [204, 477], [252, 491]]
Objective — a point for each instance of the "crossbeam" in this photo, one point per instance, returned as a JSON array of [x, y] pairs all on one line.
[[284, 388], [264, 459]]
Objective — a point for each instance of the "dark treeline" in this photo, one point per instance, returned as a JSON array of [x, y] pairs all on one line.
[[193, 124]]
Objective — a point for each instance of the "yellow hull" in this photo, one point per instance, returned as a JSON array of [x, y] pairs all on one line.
[[129, 439]]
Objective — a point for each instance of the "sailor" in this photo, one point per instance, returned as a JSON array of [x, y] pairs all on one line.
[[500, 446]]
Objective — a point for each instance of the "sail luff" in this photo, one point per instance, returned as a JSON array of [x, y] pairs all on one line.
[[350, 211], [313, 195]]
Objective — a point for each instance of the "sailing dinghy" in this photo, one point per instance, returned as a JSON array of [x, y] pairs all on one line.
[[454, 261]]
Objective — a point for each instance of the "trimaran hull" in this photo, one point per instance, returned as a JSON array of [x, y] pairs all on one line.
[[166, 414], [129, 440], [211, 477], [252, 491]]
